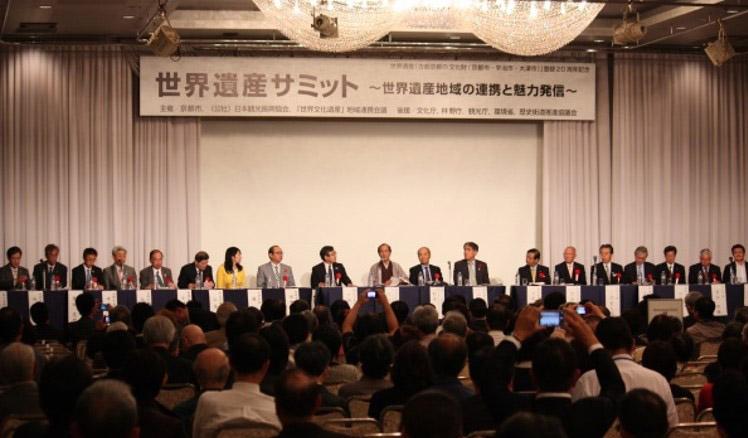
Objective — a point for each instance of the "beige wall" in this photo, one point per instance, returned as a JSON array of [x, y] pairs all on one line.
[[356, 184]]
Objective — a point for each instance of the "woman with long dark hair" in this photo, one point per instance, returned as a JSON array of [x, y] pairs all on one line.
[[231, 274]]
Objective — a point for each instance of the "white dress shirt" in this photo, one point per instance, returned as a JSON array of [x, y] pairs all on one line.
[[634, 376], [740, 272], [244, 400], [497, 336]]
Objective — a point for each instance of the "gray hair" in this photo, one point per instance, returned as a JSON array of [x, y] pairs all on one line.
[[117, 326], [692, 297], [106, 408], [425, 319], [224, 311], [120, 313], [455, 323], [117, 249], [705, 251], [641, 250], [17, 363], [158, 330]]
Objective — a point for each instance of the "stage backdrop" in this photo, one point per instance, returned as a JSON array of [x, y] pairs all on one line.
[[356, 184]]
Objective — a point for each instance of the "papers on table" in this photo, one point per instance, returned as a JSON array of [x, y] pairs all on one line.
[[613, 299]]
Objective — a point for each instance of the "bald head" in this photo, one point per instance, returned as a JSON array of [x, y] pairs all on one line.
[[224, 311], [17, 363], [192, 335], [211, 369], [297, 397]]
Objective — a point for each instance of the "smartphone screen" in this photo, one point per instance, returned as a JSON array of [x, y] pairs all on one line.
[[550, 318], [581, 310], [371, 295]]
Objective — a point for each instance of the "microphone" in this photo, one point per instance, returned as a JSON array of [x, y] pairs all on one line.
[[449, 265], [593, 272], [44, 277], [731, 260]]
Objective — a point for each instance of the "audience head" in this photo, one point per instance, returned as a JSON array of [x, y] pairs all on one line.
[[455, 323], [682, 343], [426, 319], [339, 309], [249, 356], [10, 325], [643, 414], [298, 306], [401, 310], [431, 414], [191, 335], [17, 363], [369, 324], [297, 397], [239, 323], [106, 408], [273, 310], [662, 327], [497, 317], [296, 327], [741, 315], [554, 301], [730, 395], [159, 331], [141, 312], [411, 368], [660, 356], [224, 311], [85, 304], [704, 309], [477, 308], [61, 384], [39, 313], [279, 347], [615, 335], [145, 371], [733, 330], [554, 366], [376, 354], [211, 369], [313, 358], [180, 310], [322, 313], [121, 314], [528, 424], [116, 346], [731, 354], [691, 299], [448, 354], [330, 337]]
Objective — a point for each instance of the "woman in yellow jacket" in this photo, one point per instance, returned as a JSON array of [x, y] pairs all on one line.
[[231, 274]]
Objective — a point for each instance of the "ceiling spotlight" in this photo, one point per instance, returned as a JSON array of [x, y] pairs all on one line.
[[128, 17], [164, 41], [681, 28], [719, 51], [732, 11], [598, 41], [629, 31], [591, 50], [45, 6]]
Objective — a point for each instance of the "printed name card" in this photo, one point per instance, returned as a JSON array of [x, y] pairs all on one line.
[[254, 298], [680, 291], [3, 298], [73, 314], [392, 294], [534, 293], [215, 299], [613, 299], [719, 296], [573, 294], [644, 291], [481, 292], [109, 297], [184, 295], [436, 297], [290, 295], [350, 295]]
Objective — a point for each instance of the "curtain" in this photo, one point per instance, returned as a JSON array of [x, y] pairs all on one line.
[[576, 181], [80, 168], [679, 155]]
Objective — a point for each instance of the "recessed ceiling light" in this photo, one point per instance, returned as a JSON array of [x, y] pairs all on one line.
[[598, 41], [454, 37], [732, 11], [45, 6], [681, 28], [128, 17], [592, 50]]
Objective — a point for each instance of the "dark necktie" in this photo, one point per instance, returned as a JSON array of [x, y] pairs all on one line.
[[428, 273], [329, 273]]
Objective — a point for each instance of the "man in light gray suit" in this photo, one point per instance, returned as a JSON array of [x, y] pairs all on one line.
[[156, 276], [275, 274], [118, 274]]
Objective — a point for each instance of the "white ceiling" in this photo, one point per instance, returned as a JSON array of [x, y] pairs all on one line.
[[670, 26]]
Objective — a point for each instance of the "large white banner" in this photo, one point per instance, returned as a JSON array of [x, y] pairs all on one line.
[[369, 88]]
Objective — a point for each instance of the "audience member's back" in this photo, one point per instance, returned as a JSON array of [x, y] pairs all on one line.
[[643, 414], [432, 414], [21, 395]]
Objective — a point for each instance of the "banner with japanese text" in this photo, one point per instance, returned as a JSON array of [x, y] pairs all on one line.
[[368, 88]]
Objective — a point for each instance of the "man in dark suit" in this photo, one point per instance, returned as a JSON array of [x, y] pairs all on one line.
[[329, 271], [156, 276], [13, 276], [640, 270], [47, 271], [431, 273], [709, 273], [606, 271], [569, 271], [737, 267], [533, 272], [85, 273], [555, 370], [473, 271], [189, 273], [84, 328], [675, 273]]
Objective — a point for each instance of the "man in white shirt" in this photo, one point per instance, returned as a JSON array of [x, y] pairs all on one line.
[[737, 267], [156, 276], [275, 274], [615, 335], [249, 356]]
